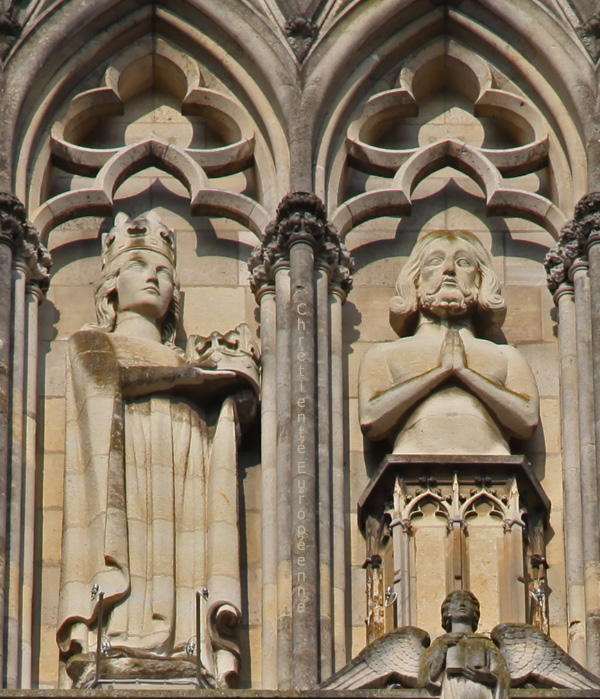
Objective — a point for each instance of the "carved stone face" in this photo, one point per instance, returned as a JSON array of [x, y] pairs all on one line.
[[449, 278], [145, 284], [461, 608]]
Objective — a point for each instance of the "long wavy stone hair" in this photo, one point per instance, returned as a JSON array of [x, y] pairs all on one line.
[[491, 307], [106, 299], [447, 622]]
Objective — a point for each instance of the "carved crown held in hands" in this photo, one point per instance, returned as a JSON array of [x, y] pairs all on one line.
[[234, 351]]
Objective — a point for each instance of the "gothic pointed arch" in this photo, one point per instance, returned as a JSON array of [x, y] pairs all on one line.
[[141, 36], [438, 36]]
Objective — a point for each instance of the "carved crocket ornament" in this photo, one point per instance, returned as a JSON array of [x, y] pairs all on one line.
[[462, 663]]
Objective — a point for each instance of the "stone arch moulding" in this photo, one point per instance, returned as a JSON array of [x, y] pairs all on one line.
[[491, 168], [128, 161], [428, 496], [256, 128], [536, 104], [500, 200]]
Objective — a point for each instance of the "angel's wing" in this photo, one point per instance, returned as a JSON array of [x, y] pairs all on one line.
[[394, 658], [533, 655]]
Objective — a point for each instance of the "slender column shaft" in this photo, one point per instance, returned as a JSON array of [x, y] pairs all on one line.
[[511, 589], [590, 480], [338, 481], [459, 573], [404, 574], [324, 470], [34, 296], [301, 254], [375, 603], [305, 581], [13, 641], [270, 533], [284, 477], [6, 297], [578, 442]]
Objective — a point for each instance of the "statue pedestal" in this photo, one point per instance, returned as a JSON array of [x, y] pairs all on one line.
[[455, 522]]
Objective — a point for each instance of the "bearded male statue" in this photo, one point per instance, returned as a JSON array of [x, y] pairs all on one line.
[[445, 387]]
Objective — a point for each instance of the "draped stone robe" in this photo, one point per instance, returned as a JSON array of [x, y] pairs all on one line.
[[150, 512], [474, 650]]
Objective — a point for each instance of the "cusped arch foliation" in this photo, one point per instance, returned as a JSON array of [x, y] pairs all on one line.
[[148, 153], [394, 45], [65, 65], [476, 84], [397, 201], [414, 508], [98, 200], [107, 101]]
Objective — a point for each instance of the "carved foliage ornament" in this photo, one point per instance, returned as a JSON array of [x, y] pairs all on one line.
[[9, 31], [300, 214], [589, 33], [575, 238], [301, 33], [23, 239]]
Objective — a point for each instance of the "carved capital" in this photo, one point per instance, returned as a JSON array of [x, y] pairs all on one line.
[[461, 522], [301, 218], [589, 33], [509, 524], [36, 257], [559, 258], [587, 219], [9, 31], [566, 289], [13, 220], [576, 237], [24, 240], [301, 33]]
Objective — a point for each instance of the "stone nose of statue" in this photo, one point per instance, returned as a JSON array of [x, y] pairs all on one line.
[[449, 267]]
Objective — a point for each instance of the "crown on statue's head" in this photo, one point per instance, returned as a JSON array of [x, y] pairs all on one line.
[[145, 232]]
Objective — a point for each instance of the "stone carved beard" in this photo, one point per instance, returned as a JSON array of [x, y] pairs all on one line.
[[447, 301]]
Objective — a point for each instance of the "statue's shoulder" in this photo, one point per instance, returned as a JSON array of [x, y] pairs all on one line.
[[382, 351], [513, 355], [89, 340]]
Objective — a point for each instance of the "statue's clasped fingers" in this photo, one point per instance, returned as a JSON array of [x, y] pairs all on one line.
[[447, 351], [482, 675], [459, 354]]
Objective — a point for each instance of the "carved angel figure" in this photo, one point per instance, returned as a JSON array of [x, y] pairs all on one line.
[[461, 663], [150, 513]]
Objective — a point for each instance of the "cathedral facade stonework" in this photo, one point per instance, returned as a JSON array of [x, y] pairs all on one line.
[[300, 344]]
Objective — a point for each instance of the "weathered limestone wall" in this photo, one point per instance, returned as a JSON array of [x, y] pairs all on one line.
[[530, 326], [212, 269], [448, 200], [296, 122]]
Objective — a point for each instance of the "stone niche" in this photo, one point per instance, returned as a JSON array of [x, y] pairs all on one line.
[[442, 523]]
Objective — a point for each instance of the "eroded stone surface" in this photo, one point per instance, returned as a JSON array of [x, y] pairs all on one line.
[[442, 388], [151, 483]]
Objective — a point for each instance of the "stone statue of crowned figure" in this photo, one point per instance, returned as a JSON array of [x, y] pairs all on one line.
[[445, 387], [150, 501]]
